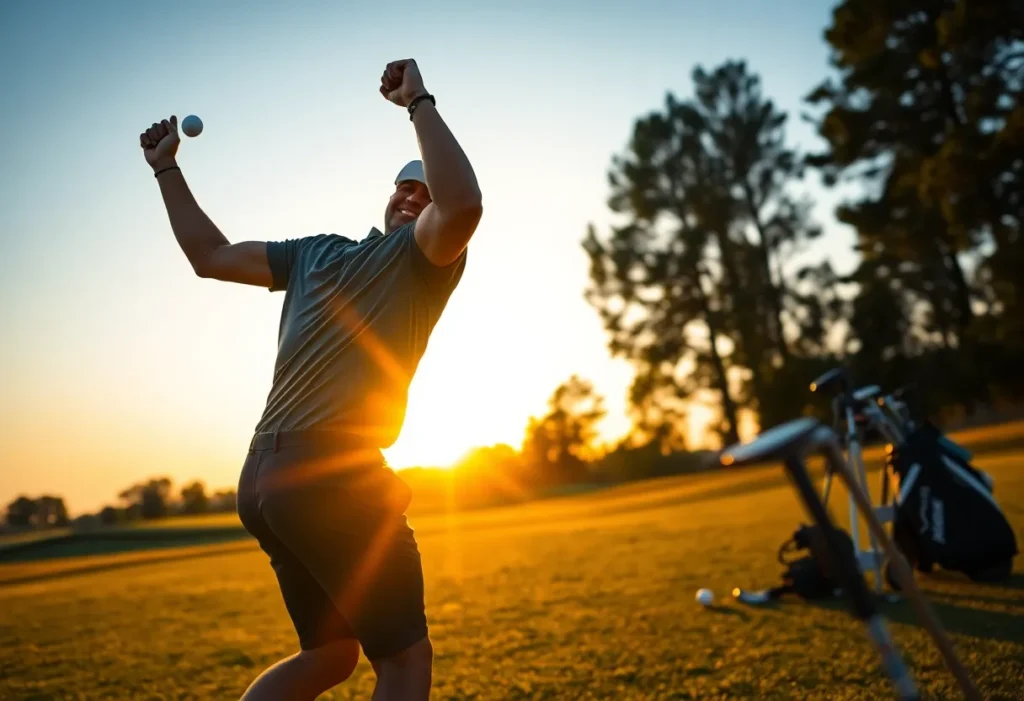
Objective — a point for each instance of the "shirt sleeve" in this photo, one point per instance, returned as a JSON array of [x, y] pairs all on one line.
[[282, 255], [443, 279]]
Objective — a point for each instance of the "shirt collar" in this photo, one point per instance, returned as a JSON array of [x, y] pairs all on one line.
[[374, 233]]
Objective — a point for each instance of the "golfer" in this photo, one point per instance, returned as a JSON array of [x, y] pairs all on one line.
[[314, 490]]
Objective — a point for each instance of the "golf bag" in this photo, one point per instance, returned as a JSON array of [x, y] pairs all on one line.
[[811, 576], [946, 513]]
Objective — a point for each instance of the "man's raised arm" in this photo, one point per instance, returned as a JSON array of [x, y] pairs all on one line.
[[207, 249], [446, 225]]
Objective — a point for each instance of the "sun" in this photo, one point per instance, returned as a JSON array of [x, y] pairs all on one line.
[[445, 419], [418, 448], [435, 433]]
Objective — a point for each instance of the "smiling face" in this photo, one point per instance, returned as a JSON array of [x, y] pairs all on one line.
[[409, 199]]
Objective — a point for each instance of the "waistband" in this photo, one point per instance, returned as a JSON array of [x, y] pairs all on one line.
[[323, 439]]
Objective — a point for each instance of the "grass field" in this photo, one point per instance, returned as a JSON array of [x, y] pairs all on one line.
[[586, 597]]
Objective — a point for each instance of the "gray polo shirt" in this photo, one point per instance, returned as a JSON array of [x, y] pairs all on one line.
[[355, 322]]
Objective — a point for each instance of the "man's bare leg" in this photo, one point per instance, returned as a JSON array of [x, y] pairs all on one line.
[[405, 676], [306, 674]]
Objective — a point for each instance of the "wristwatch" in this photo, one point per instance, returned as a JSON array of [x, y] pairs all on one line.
[[416, 101]]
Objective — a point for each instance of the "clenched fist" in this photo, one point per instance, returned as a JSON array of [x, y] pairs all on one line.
[[160, 142], [401, 82]]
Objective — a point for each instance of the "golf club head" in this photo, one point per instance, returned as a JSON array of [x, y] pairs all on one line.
[[904, 397], [887, 401], [773, 444], [758, 596], [834, 382], [867, 393]]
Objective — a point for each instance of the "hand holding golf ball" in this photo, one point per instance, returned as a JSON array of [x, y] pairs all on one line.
[[160, 142]]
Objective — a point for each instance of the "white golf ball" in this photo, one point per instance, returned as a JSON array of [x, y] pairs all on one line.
[[705, 597], [192, 125]]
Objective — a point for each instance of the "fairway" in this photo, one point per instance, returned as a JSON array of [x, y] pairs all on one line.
[[586, 597]]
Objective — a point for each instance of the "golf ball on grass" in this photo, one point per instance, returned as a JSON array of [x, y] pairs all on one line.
[[705, 597], [192, 125]]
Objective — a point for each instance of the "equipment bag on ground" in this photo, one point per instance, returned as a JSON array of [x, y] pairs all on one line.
[[812, 576], [946, 513]]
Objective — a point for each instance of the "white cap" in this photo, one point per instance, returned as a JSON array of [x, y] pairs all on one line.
[[413, 170]]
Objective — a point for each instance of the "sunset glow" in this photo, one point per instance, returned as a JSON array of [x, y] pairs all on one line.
[[121, 364]]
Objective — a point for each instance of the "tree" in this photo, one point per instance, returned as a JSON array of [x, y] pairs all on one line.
[[927, 113], [194, 499], [558, 445], [151, 498], [109, 515], [51, 512], [649, 281], [764, 226], [223, 500], [692, 288], [42, 512], [745, 131], [21, 512]]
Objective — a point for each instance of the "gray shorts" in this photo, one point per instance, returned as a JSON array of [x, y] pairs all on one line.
[[331, 517]]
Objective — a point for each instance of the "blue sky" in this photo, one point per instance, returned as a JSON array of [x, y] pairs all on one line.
[[119, 363]]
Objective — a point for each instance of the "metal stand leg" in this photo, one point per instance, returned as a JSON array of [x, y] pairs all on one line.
[[872, 557], [867, 559], [849, 570]]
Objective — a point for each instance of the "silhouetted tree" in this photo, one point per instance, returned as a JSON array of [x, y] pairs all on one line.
[[223, 500], [21, 512], [745, 131], [766, 226], [632, 461], [51, 512], [926, 113], [693, 287], [42, 512], [194, 499], [557, 445], [150, 498], [648, 277]]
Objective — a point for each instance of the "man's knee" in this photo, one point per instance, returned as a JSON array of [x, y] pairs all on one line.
[[307, 673], [334, 662], [418, 657]]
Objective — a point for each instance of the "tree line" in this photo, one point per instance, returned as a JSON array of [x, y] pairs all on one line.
[[150, 499]]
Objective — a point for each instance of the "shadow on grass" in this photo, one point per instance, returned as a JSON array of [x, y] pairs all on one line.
[[955, 619], [1014, 581], [728, 611], [777, 605], [117, 540], [964, 620], [90, 568], [1012, 588]]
